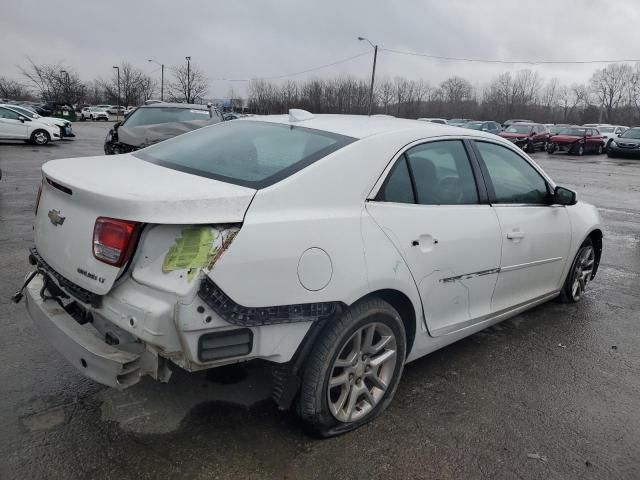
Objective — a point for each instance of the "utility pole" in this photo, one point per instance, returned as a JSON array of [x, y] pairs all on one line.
[[373, 72], [118, 111], [161, 78], [188, 79]]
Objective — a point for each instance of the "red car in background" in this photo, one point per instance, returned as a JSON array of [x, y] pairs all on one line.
[[528, 136], [577, 140]]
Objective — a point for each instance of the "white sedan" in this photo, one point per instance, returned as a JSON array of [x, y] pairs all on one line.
[[93, 113], [15, 126], [338, 248]]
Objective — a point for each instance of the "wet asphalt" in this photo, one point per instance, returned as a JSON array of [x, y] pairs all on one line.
[[552, 393]]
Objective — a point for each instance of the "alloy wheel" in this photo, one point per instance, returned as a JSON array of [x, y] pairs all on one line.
[[582, 272], [362, 372], [40, 138]]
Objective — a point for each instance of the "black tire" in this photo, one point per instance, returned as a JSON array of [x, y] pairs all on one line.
[[40, 137], [567, 294], [608, 145], [313, 401], [580, 150], [600, 150]]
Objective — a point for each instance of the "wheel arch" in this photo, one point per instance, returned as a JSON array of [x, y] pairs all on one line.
[[403, 306]]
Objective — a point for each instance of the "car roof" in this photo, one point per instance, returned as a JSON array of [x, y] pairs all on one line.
[[361, 126], [190, 106]]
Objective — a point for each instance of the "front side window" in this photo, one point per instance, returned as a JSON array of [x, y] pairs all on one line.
[[249, 153], [514, 180], [442, 174], [5, 113]]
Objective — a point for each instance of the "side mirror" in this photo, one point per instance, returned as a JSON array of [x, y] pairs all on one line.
[[619, 135], [116, 125], [564, 196], [21, 118]]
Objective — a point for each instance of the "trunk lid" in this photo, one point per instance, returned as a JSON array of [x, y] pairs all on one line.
[[79, 190]]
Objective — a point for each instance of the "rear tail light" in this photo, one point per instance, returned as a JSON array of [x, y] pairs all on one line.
[[38, 197], [114, 240]]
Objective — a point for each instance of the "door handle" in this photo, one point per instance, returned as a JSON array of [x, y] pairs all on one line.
[[515, 235]]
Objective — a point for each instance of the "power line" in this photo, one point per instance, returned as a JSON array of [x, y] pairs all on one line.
[[509, 62], [293, 74]]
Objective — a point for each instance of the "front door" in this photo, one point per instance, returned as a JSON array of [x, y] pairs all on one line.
[[536, 236], [10, 126], [431, 208]]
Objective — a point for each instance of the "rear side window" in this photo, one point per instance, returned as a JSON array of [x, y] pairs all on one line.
[[398, 188], [442, 173], [253, 154], [514, 180]]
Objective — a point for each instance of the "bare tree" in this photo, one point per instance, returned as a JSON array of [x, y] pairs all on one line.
[[54, 83], [135, 86], [187, 86], [609, 84], [12, 89]]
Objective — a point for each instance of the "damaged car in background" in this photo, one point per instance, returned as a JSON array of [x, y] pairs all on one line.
[[337, 248], [577, 140], [156, 122]]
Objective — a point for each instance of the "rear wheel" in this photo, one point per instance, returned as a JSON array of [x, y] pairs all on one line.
[[580, 274], [600, 149], [40, 137], [353, 371], [580, 150]]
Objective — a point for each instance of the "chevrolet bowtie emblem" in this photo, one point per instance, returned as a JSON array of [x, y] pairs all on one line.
[[54, 216]]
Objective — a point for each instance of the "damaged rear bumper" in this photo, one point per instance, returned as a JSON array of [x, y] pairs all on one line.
[[83, 346]]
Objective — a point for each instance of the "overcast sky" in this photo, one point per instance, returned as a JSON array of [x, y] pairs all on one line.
[[264, 38]]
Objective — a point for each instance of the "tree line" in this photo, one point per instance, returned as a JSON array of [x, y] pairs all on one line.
[[61, 84], [611, 95]]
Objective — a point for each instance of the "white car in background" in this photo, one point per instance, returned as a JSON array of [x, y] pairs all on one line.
[[610, 133], [93, 113], [16, 126], [115, 110], [66, 129], [336, 247]]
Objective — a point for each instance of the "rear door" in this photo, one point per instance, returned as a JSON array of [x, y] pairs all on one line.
[[11, 127], [536, 236], [436, 214]]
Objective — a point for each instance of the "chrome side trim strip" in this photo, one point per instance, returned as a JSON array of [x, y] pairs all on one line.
[[510, 268], [494, 317], [466, 276]]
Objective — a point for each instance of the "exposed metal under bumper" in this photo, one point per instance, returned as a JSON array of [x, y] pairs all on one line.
[[82, 346]]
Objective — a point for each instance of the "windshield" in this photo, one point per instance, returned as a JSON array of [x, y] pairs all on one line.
[[632, 133], [155, 115], [572, 132], [457, 120], [474, 125], [605, 129], [249, 153], [518, 129]]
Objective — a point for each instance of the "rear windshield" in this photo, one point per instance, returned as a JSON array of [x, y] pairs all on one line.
[[155, 115], [518, 129], [572, 132], [249, 153]]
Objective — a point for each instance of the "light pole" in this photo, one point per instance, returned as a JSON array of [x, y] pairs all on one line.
[[188, 59], [68, 86], [373, 72], [118, 111], [161, 78]]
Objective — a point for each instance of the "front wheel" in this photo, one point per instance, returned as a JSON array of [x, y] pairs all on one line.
[[580, 274], [580, 151], [600, 150], [40, 137], [352, 372]]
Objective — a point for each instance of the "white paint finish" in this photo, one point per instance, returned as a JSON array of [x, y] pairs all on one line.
[[14, 129], [125, 187], [314, 269], [319, 207], [453, 240], [545, 235]]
